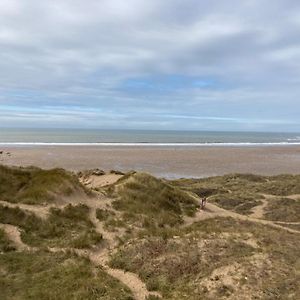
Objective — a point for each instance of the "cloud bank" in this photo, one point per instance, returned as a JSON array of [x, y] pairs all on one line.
[[199, 65]]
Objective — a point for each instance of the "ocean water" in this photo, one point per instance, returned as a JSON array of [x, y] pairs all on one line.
[[143, 138]]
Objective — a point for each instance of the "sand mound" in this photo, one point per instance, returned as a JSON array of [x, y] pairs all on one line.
[[35, 186]]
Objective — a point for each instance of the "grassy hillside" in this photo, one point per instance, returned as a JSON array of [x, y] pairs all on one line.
[[283, 209], [33, 185], [152, 228], [150, 201], [242, 192], [43, 275], [217, 259], [68, 227], [280, 185]]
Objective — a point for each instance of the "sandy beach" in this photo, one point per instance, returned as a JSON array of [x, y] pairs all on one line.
[[171, 162]]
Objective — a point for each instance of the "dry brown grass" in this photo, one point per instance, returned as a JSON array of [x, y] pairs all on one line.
[[283, 209], [182, 266], [215, 258]]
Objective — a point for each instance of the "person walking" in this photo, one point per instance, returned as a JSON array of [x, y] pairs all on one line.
[[203, 203]]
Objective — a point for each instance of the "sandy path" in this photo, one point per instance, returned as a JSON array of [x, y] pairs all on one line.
[[14, 235], [287, 223], [259, 210], [101, 257], [212, 211], [39, 210], [294, 197]]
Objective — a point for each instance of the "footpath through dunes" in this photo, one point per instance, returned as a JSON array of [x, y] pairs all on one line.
[[153, 235], [99, 255], [259, 210], [213, 211], [102, 256]]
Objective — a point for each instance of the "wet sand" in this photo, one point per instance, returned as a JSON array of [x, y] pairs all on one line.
[[171, 162]]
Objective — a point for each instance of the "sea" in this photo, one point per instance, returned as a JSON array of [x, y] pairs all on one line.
[[94, 137]]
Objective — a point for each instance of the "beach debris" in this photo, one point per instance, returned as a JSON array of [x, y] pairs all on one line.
[[116, 172], [88, 173], [98, 172]]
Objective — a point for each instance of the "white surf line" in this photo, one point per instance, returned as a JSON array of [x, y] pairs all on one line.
[[208, 144]]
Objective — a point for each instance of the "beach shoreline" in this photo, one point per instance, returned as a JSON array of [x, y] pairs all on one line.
[[162, 161]]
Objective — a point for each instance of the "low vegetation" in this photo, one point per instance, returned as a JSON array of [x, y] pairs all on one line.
[[222, 184], [34, 186], [241, 203], [150, 201], [281, 185], [43, 275], [110, 219], [283, 209], [216, 258], [104, 214], [5, 244], [240, 192], [159, 236], [69, 227]]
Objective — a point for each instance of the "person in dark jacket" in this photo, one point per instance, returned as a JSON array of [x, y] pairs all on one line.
[[203, 202]]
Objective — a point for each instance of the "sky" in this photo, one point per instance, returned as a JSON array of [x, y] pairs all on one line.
[[150, 64]]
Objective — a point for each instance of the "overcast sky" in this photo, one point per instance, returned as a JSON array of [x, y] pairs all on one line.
[[150, 64]]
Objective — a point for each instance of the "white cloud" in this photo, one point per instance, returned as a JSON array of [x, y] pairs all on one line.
[[74, 52]]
